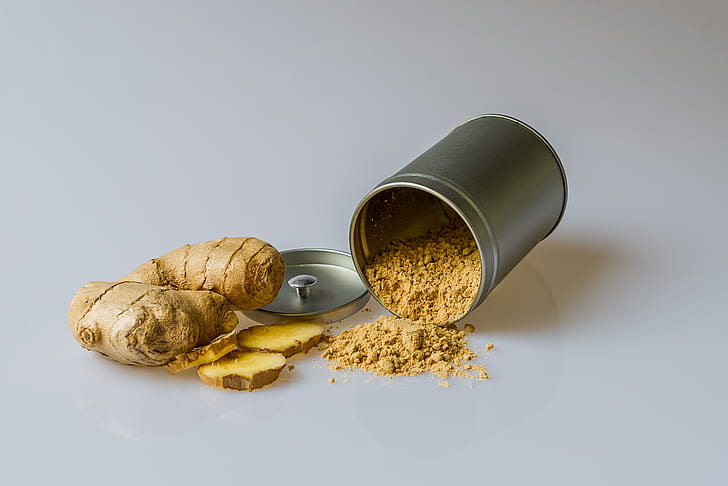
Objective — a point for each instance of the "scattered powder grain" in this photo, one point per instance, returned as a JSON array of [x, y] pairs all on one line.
[[469, 328], [331, 380], [291, 367], [432, 278], [489, 346], [444, 384], [395, 346]]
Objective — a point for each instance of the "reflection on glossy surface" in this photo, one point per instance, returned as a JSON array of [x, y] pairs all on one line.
[[414, 416], [111, 396], [128, 131], [403, 414]]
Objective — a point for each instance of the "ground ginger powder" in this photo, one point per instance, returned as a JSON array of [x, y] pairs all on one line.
[[429, 281], [396, 346], [432, 278]]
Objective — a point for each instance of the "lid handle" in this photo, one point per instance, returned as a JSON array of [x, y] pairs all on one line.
[[303, 284]]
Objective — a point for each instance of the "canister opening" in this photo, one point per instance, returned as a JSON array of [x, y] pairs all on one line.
[[399, 213]]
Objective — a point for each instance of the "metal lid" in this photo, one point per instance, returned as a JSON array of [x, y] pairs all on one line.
[[320, 285]]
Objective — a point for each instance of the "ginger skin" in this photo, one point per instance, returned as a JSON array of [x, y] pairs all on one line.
[[172, 304], [248, 272], [140, 324]]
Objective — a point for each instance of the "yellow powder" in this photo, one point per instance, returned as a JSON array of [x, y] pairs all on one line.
[[395, 346], [432, 278]]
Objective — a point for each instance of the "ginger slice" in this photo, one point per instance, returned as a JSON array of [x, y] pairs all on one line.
[[287, 339], [204, 354], [242, 370]]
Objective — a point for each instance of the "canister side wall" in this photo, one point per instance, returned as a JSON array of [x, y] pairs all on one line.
[[510, 173], [497, 173]]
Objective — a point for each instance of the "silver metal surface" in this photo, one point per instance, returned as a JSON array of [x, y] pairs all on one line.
[[338, 292], [302, 284], [494, 172]]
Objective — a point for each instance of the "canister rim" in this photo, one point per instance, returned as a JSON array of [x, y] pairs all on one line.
[[485, 286], [312, 250]]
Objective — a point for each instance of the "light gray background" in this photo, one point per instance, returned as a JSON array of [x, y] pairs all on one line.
[[130, 128]]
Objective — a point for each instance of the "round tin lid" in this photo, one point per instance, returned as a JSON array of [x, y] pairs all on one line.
[[320, 284]]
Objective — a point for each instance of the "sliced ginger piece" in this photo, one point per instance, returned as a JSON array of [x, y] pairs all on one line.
[[242, 370], [204, 354], [287, 339]]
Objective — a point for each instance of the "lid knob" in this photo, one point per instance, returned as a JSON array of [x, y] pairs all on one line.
[[303, 284]]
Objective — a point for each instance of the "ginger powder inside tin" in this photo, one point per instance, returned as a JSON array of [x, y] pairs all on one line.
[[432, 278]]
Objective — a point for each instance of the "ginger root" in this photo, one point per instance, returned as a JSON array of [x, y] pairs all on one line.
[[140, 324], [248, 272], [240, 370], [172, 304]]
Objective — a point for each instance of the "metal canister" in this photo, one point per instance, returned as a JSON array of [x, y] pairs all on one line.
[[497, 173]]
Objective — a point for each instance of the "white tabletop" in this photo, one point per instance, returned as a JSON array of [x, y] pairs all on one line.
[[130, 128]]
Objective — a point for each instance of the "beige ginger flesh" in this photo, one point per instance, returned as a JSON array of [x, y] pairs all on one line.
[[204, 354], [242, 370], [287, 339]]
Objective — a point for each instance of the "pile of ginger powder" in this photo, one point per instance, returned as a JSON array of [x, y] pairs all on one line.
[[430, 281]]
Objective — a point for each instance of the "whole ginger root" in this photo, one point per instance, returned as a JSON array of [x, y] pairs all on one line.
[[248, 272], [174, 303]]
